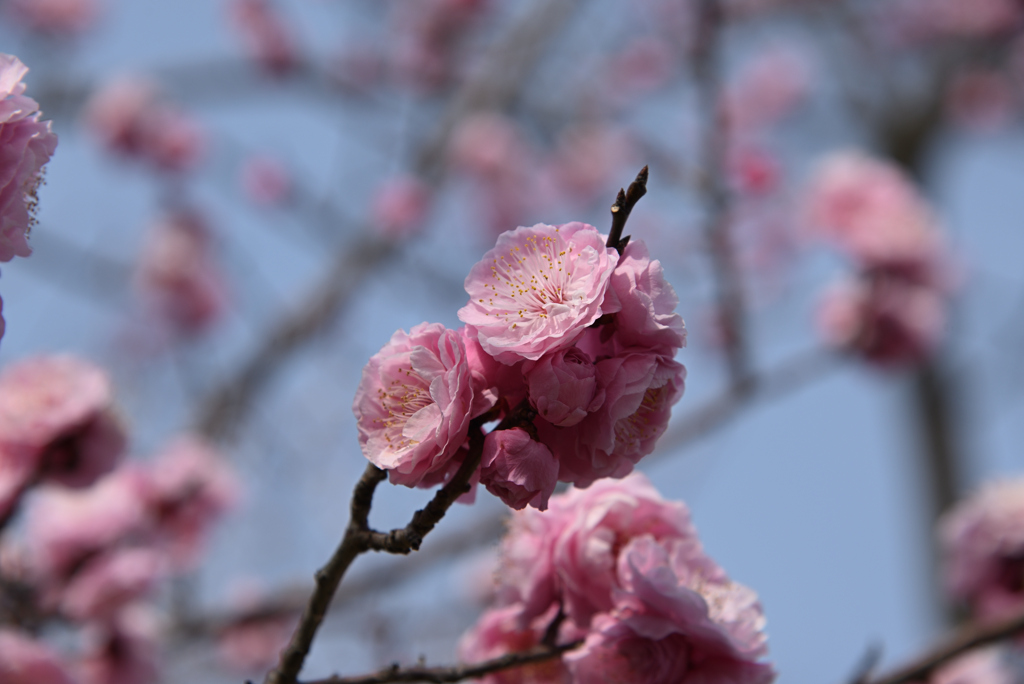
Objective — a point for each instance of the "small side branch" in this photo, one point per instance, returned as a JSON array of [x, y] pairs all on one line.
[[456, 673], [624, 203]]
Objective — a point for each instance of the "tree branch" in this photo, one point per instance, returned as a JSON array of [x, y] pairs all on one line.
[[964, 640], [359, 539], [455, 673]]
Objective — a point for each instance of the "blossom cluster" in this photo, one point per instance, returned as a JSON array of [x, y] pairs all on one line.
[[100, 536], [893, 310], [983, 545], [568, 343], [620, 568], [26, 144]]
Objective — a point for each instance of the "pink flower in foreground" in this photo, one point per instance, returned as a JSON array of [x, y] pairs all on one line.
[[24, 660], [26, 144], [672, 623], [400, 206], [188, 487], [537, 290], [644, 304], [57, 422], [56, 18], [518, 470], [414, 403], [179, 276], [628, 571], [983, 546], [563, 386]]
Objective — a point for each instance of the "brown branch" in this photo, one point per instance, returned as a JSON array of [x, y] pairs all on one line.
[[728, 280], [965, 639], [624, 203], [359, 539], [455, 673]]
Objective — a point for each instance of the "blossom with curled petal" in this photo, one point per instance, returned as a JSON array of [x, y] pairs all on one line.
[[414, 403], [983, 547], [673, 624], [538, 290], [517, 469], [26, 144]]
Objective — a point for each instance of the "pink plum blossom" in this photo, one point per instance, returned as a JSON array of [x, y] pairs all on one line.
[[400, 206], [628, 572], [57, 422], [980, 99], [888, 320], [517, 469], [265, 180], [640, 390], [644, 304], [67, 528], [870, 209], [24, 660], [57, 18], [26, 144], [983, 546], [497, 632], [587, 158], [124, 651], [414, 403], [931, 19], [642, 66], [428, 39], [178, 274], [130, 117], [188, 487], [537, 290], [673, 623], [266, 35], [110, 581], [563, 386]]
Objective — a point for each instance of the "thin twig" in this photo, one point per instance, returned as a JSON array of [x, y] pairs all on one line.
[[624, 203], [457, 672], [965, 639]]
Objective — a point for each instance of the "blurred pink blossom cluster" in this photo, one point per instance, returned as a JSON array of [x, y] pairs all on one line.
[[893, 310], [178, 275], [57, 425], [932, 19], [56, 18], [622, 569], [99, 538], [131, 117], [26, 144], [983, 543], [428, 39], [267, 36], [566, 341]]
